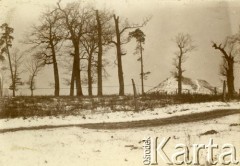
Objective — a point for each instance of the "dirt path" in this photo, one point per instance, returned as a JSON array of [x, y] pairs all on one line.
[[141, 123], [166, 121]]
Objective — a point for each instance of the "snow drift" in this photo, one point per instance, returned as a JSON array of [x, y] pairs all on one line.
[[189, 85]]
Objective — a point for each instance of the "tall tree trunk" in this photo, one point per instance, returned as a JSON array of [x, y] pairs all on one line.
[[224, 91], [11, 70], [179, 85], [72, 79], [76, 75], [180, 75], [14, 92], [229, 70], [1, 90], [77, 71], [90, 75], [99, 66], [56, 78], [119, 57], [55, 71], [230, 77], [142, 72], [2, 86], [32, 84], [14, 81]]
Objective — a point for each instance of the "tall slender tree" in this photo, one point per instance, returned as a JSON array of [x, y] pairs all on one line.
[[100, 52], [140, 38], [6, 39], [120, 29], [105, 33]]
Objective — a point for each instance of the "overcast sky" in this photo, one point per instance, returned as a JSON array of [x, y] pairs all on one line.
[[204, 20]]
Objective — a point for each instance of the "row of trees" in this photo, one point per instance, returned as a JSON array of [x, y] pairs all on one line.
[[80, 33], [84, 35]]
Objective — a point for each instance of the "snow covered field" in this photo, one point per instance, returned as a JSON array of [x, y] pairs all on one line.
[[89, 147], [71, 146], [123, 116]]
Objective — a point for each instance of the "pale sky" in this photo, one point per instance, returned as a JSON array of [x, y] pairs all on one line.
[[204, 20]]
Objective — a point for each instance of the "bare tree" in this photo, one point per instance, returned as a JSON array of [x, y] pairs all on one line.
[[16, 61], [185, 45], [105, 33], [120, 29], [229, 50], [90, 45], [74, 19], [97, 41], [47, 38], [33, 66]]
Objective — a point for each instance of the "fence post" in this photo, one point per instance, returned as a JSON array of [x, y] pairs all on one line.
[[134, 95], [224, 91], [215, 90]]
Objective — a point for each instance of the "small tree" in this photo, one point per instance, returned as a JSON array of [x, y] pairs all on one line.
[[140, 38], [185, 45], [33, 66], [17, 61]]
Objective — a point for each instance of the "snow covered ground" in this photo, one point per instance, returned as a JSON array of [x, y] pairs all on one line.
[[76, 146], [71, 146], [123, 116]]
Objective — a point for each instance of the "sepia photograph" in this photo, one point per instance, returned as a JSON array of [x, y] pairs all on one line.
[[119, 82]]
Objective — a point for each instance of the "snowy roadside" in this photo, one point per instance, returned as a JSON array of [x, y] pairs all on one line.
[[88, 117]]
